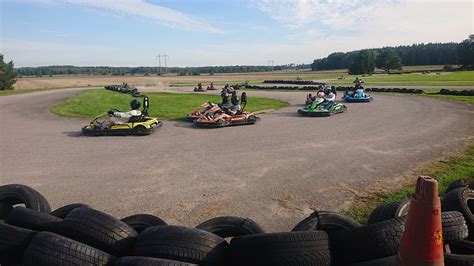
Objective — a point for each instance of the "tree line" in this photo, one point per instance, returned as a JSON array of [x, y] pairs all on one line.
[[118, 71], [364, 61]]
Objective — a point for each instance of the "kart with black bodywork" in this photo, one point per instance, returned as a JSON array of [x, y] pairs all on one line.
[[136, 125], [220, 116], [316, 108]]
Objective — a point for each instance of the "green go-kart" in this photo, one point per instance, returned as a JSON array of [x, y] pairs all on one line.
[[317, 109]]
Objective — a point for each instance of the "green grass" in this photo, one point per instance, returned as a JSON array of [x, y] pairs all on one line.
[[162, 104], [458, 78], [466, 99], [459, 167]]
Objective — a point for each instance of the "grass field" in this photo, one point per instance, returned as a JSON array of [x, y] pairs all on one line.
[[458, 167], [445, 79], [164, 105]]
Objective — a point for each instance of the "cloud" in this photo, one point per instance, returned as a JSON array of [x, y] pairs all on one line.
[[333, 13], [140, 8]]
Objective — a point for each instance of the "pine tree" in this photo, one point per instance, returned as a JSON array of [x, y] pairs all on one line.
[[465, 54], [7, 75], [388, 60], [363, 63]]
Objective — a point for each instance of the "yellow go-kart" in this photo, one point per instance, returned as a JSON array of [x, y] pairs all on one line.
[[136, 125]]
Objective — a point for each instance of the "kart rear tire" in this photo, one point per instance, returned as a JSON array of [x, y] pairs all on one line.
[[31, 219], [389, 211], [13, 241], [99, 230], [65, 210], [290, 248], [140, 222], [327, 221], [51, 249], [182, 244], [139, 261], [231, 226], [20, 194], [373, 241]]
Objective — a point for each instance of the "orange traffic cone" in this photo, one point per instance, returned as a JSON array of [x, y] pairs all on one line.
[[422, 241]]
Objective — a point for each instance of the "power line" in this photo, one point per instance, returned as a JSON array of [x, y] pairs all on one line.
[[165, 57]]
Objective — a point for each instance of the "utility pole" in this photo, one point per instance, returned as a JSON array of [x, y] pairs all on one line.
[[270, 63], [165, 56]]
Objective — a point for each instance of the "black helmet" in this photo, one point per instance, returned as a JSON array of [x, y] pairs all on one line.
[[134, 104]]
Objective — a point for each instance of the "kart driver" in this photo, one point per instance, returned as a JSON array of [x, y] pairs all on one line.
[[329, 98], [117, 118], [234, 100]]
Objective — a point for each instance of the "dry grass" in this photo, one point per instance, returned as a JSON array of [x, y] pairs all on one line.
[[164, 81]]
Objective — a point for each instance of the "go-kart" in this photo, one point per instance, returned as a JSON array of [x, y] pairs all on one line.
[[310, 98], [359, 96], [136, 125], [317, 109], [222, 116], [198, 112], [199, 88], [211, 87]]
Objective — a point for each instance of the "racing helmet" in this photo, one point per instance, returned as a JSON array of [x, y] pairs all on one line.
[[134, 104]]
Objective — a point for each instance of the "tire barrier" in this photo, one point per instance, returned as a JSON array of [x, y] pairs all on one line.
[[124, 88], [456, 92], [77, 234], [296, 82], [256, 87]]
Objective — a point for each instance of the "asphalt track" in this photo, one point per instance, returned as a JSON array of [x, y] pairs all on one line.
[[275, 172]]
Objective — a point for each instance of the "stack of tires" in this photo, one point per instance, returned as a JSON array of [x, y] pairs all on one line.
[[456, 92], [76, 234], [297, 82], [397, 90], [123, 89]]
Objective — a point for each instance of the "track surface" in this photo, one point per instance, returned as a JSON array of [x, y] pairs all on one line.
[[275, 172]]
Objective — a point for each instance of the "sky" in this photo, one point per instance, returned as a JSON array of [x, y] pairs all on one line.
[[218, 32]]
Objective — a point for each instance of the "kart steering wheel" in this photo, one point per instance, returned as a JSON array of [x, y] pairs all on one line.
[[113, 111]]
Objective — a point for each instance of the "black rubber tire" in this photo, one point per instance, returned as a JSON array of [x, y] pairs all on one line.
[[458, 260], [5, 209], [182, 244], [290, 248], [31, 219], [139, 130], [462, 200], [387, 261], [99, 230], [454, 226], [231, 226], [13, 241], [368, 242], [326, 221], [51, 249], [462, 247], [139, 261], [20, 194], [65, 210], [458, 183], [140, 222], [389, 211]]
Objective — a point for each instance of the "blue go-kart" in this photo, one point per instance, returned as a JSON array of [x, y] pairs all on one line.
[[359, 96]]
